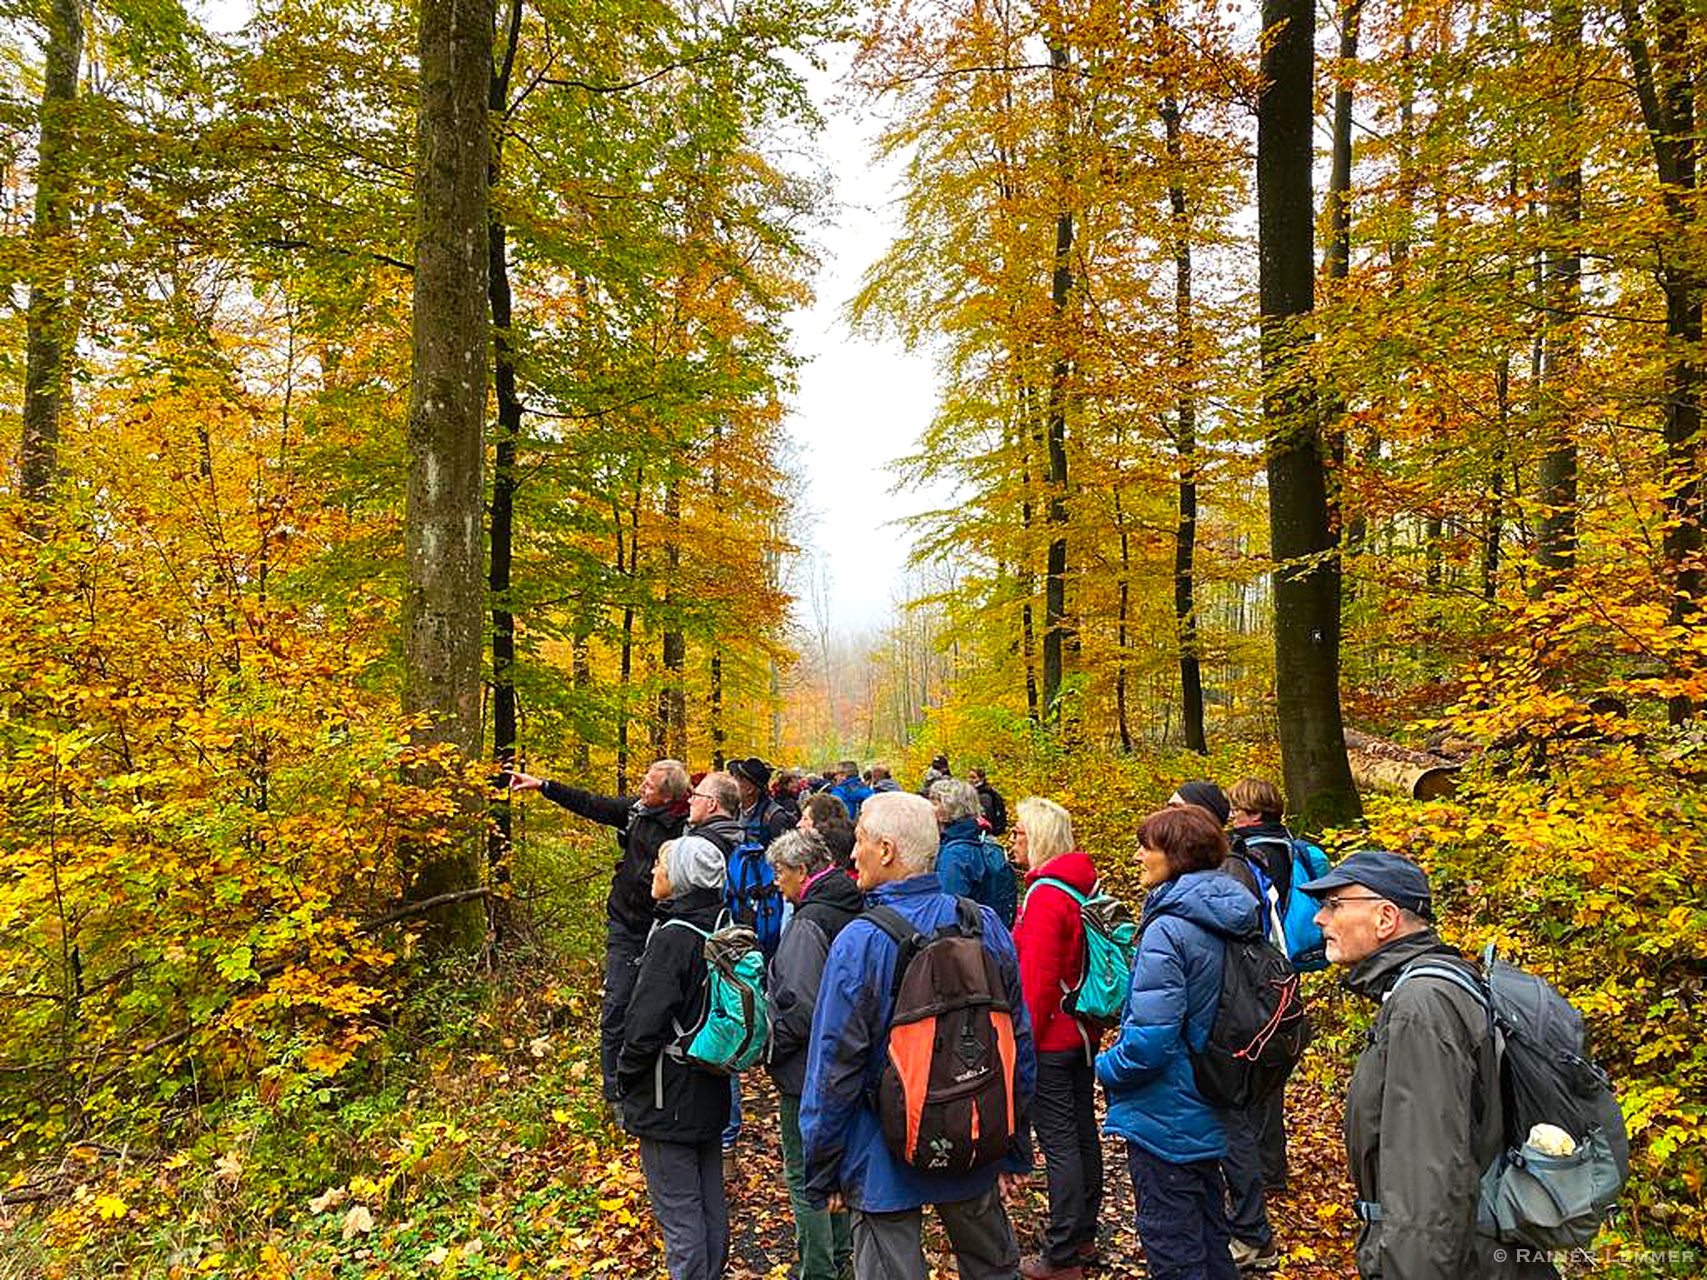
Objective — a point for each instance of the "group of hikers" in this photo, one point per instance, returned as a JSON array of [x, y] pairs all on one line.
[[930, 1015]]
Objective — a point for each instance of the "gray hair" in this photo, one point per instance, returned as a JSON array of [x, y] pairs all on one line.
[[957, 799], [1048, 828], [724, 791], [908, 822], [675, 784], [803, 851]]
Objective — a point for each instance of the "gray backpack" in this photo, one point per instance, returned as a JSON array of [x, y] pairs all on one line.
[[1529, 1197]]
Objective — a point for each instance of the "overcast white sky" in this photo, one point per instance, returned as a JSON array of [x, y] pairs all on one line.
[[861, 404]]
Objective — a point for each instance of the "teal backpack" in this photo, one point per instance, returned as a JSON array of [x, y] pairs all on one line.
[[735, 1030], [1111, 943]]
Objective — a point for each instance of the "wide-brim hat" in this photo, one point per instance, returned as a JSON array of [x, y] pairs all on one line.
[[753, 769]]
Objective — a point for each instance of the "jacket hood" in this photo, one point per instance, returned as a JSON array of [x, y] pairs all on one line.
[[675, 809], [1215, 901], [910, 887], [1375, 974], [1261, 831], [961, 829], [1074, 867], [722, 831], [835, 888], [701, 906], [885, 784]]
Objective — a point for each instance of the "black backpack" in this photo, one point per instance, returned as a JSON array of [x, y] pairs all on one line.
[[1547, 1076], [946, 1097], [1260, 1028]]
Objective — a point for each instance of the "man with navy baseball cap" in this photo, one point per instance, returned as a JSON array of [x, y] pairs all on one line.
[[1422, 1112]]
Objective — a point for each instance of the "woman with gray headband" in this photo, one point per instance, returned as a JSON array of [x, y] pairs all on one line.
[[825, 898], [676, 1109]]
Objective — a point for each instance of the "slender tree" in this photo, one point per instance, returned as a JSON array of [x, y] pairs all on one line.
[[1306, 577]]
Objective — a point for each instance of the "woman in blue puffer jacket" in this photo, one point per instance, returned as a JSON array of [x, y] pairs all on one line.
[[1174, 1139]]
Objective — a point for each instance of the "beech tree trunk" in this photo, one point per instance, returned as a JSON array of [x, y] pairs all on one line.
[[48, 322], [1055, 510], [1556, 548], [1306, 578], [444, 593], [501, 534], [1185, 444], [1666, 85]]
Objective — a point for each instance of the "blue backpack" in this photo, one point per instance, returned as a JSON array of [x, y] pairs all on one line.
[[1292, 924], [998, 889], [752, 897]]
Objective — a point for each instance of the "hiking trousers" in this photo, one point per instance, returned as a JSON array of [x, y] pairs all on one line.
[[1181, 1221], [622, 966], [1063, 1114], [1247, 1206], [823, 1240], [685, 1183], [889, 1246]]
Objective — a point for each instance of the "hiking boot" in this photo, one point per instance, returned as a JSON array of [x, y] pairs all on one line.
[[1040, 1268], [1247, 1257]]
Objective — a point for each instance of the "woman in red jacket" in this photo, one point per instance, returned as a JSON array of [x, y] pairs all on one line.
[[1051, 945]]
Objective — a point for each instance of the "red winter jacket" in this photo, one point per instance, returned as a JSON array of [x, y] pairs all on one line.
[[1051, 946]]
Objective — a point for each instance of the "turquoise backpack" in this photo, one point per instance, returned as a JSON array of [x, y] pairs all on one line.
[[1111, 943], [735, 1031]]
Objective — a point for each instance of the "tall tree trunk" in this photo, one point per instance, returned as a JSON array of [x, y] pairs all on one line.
[[443, 604], [1061, 284], [1185, 441], [1027, 579], [1666, 86], [715, 714], [672, 698], [502, 535], [1339, 270], [49, 331], [581, 680], [1306, 578], [1556, 548]]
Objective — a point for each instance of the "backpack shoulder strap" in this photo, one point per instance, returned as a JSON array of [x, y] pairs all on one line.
[[968, 918], [1457, 975], [1064, 887], [901, 932], [687, 924]]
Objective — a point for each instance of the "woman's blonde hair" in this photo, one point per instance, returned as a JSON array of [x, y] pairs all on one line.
[[1048, 828]]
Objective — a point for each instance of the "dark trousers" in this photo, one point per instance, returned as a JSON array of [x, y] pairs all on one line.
[[1063, 1113], [1272, 1140], [685, 1183], [1181, 1222], [1247, 1211], [622, 965], [889, 1246]]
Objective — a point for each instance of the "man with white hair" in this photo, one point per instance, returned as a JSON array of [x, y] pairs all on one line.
[[643, 822], [849, 1161]]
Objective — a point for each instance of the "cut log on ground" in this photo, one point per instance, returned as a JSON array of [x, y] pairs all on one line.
[[1381, 765]]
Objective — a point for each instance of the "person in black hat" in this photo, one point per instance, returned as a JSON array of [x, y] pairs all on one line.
[[762, 818], [1422, 1113]]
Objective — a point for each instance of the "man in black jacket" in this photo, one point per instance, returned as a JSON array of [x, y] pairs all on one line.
[[642, 824]]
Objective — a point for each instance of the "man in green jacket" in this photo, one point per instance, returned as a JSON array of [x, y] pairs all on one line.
[[1422, 1114]]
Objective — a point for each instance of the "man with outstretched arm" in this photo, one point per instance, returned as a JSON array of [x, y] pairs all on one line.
[[642, 823]]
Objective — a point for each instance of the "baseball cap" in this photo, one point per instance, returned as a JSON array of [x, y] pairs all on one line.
[[1390, 875]]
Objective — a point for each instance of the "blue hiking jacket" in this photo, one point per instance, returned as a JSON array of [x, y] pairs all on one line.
[[841, 1136], [970, 866], [1170, 1007], [852, 793]]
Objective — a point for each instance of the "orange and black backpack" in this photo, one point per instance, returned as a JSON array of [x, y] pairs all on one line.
[[946, 1096]]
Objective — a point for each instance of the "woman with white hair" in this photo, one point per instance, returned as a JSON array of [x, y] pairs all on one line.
[[969, 863], [1051, 946], [677, 1110]]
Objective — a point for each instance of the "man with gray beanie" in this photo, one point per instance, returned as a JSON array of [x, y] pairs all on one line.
[[676, 1109], [1422, 1112]]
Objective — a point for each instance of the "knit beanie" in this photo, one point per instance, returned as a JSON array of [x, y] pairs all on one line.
[[1206, 795], [692, 862]]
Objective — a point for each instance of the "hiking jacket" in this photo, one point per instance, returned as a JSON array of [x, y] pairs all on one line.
[[1422, 1120], [1270, 845], [640, 830], [830, 901], [765, 821], [670, 991], [971, 867], [1176, 989], [995, 808], [885, 784], [721, 830], [853, 793], [1051, 943], [841, 1136]]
